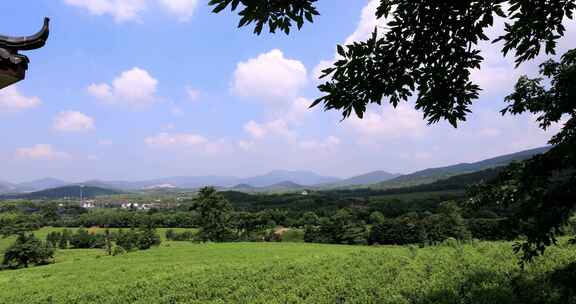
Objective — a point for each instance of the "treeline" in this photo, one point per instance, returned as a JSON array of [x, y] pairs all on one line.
[[114, 242], [412, 228], [351, 220], [29, 250]]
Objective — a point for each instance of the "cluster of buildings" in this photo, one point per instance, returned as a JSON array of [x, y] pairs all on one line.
[[92, 204]]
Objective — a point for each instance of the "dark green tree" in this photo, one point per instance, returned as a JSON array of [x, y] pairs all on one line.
[[214, 216], [272, 13], [127, 240], [386, 233], [428, 52], [377, 217], [310, 218], [54, 238], [108, 239], [81, 239], [16, 223], [347, 229], [429, 48], [406, 229], [341, 228], [447, 223], [147, 237], [26, 250], [541, 190], [170, 234], [64, 239], [49, 212]]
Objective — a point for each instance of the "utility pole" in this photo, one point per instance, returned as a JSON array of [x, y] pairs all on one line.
[[81, 195]]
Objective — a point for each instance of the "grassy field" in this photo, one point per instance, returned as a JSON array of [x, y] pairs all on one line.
[[181, 272]]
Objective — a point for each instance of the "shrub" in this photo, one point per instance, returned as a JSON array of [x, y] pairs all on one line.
[[127, 240], [147, 238], [171, 235], [83, 239], [118, 250], [293, 236], [26, 250]]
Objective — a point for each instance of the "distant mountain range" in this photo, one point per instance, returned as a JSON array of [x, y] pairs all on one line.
[[74, 191], [280, 176], [40, 184], [285, 186], [6, 187], [275, 181], [36, 185], [364, 179]]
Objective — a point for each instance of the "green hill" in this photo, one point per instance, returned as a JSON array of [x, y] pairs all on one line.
[[433, 174], [73, 191]]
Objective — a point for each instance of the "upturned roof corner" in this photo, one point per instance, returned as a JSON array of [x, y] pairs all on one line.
[[13, 65]]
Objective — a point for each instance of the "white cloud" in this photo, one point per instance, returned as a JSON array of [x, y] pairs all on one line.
[[278, 133], [73, 121], [246, 145], [404, 121], [422, 156], [101, 91], [299, 109], [135, 87], [489, 132], [40, 152], [255, 129], [192, 94], [180, 139], [328, 143], [270, 77], [280, 126], [186, 140], [11, 100], [183, 9], [121, 10], [176, 111], [105, 142], [131, 10], [321, 66], [368, 22], [277, 127], [499, 74]]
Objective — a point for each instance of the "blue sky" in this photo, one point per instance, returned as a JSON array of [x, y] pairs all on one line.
[[137, 89]]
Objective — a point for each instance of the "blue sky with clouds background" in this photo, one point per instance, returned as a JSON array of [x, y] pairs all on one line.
[[137, 89]]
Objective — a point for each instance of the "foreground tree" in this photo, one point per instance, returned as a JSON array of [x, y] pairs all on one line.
[[26, 250], [215, 214], [429, 48], [428, 52], [542, 190]]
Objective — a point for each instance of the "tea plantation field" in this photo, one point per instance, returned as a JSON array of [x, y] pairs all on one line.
[[181, 272]]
